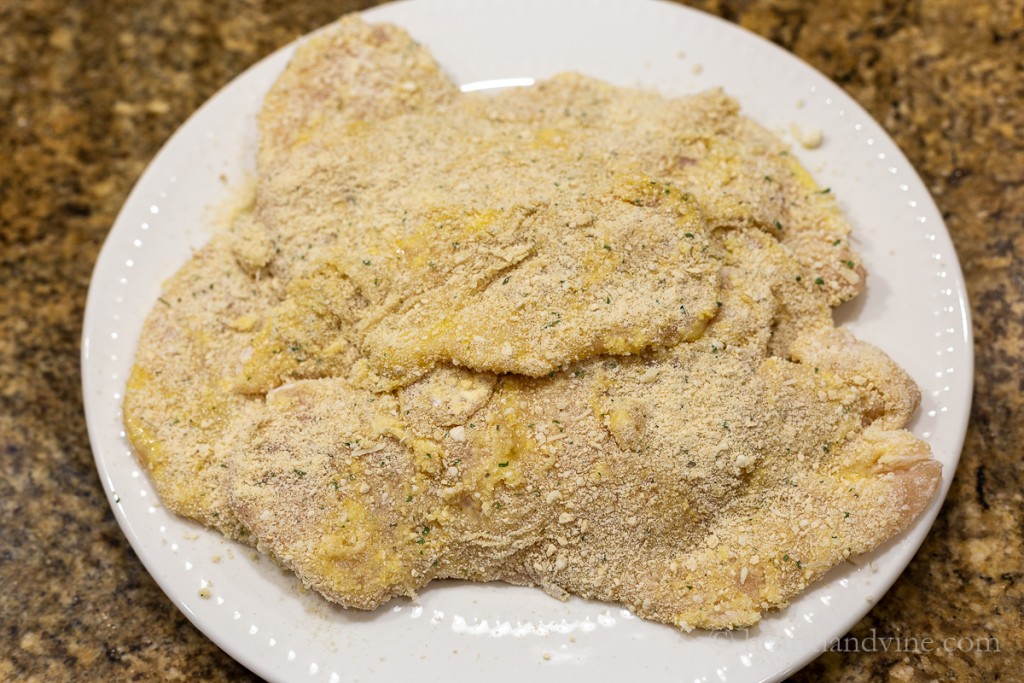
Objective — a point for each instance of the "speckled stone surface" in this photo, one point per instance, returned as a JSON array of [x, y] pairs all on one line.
[[90, 91]]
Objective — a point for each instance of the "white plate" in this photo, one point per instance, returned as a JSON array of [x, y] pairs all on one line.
[[915, 307]]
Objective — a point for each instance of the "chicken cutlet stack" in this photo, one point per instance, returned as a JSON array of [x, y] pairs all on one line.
[[573, 336]]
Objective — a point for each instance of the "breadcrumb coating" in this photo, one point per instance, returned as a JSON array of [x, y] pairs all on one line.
[[574, 336]]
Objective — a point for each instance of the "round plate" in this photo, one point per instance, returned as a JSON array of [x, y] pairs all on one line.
[[915, 308]]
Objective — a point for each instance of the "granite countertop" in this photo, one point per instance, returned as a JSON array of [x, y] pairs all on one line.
[[90, 91]]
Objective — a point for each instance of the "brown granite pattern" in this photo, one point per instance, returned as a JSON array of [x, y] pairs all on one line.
[[90, 91]]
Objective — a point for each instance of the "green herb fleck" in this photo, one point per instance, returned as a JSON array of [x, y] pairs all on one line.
[[818, 281], [503, 464]]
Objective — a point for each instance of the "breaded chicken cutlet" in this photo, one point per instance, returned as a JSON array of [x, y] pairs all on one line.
[[573, 336]]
